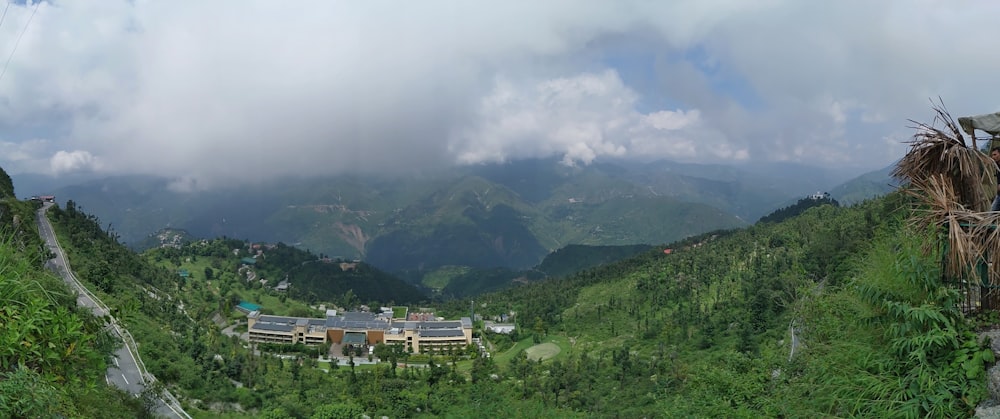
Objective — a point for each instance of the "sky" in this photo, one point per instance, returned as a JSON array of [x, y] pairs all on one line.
[[236, 91]]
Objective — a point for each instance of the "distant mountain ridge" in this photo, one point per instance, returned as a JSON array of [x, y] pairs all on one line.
[[510, 214], [867, 186]]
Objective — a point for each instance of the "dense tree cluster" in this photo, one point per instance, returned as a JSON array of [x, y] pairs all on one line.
[[797, 208]]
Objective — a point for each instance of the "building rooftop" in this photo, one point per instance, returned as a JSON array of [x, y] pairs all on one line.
[[441, 333], [439, 325], [356, 320], [276, 327], [432, 325]]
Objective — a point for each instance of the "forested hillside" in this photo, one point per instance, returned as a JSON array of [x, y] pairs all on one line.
[[835, 312], [797, 208], [575, 258]]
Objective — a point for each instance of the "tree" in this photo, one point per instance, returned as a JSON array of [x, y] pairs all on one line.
[[539, 329], [24, 393], [347, 410]]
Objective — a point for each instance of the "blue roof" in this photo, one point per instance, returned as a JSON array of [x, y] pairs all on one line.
[[249, 306]]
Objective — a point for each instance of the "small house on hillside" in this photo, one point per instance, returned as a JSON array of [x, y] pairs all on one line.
[[282, 286]]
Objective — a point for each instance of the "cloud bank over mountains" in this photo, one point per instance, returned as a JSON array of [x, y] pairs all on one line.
[[241, 90]]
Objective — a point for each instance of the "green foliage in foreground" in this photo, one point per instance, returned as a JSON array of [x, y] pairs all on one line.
[[52, 355], [893, 343]]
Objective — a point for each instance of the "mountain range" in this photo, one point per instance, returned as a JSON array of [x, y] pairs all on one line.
[[482, 216]]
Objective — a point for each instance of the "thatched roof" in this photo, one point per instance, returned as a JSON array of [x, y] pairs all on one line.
[[954, 184]]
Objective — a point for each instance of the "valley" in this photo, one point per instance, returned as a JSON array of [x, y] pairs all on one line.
[[541, 206]]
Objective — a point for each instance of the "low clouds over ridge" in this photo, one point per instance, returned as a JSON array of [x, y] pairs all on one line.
[[578, 119], [227, 91]]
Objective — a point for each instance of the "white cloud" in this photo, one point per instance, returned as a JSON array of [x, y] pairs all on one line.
[[24, 151], [237, 90], [73, 161], [184, 185], [579, 119]]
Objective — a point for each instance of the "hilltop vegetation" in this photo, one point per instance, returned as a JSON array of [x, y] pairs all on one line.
[[797, 208], [575, 258], [311, 279], [461, 281]]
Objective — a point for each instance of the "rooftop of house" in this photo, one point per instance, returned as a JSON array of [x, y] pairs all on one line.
[[287, 324], [357, 320], [249, 306]]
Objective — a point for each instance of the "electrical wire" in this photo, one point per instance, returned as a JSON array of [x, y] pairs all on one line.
[[18, 41], [4, 16]]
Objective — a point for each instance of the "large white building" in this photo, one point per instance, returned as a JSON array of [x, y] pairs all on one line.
[[362, 328]]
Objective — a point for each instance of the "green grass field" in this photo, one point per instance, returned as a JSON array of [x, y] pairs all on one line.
[[439, 278], [399, 312], [543, 351], [557, 345]]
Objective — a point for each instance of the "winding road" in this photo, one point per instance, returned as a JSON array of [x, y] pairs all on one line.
[[127, 372]]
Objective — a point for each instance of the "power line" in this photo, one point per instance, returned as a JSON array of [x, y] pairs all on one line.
[[18, 41], [4, 13]]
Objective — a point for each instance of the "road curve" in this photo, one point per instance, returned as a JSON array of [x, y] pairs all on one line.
[[125, 373]]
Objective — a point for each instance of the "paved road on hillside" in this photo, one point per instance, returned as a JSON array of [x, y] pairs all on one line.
[[124, 373]]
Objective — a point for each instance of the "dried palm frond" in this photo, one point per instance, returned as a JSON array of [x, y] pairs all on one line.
[[953, 184], [934, 151], [935, 200], [988, 236]]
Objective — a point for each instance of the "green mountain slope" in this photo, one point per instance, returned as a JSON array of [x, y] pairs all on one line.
[[471, 222], [575, 258], [361, 217], [462, 281], [705, 330], [798, 208], [319, 281], [869, 185]]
